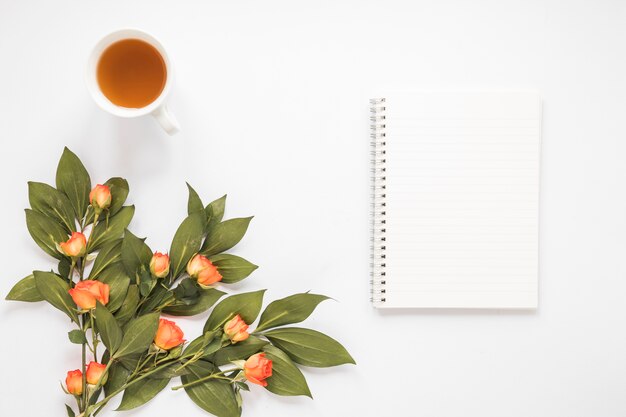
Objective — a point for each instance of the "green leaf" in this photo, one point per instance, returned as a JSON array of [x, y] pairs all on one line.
[[135, 253], [117, 280], [73, 180], [205, 301], [186, 242], [119, 191], [238, 351], [288, 310], [46, 232], [77, 337], [131, 362], [232, 268], [146, 281], [70, 412], [225, 235], [158, 299], [215, 211], [187, 292], [65, 265], [214, 396], [54, 290], [309, 347], [195, 203], [106, 232], [129, 306], [117, 376], [108, 255], [208, 342], [138, 335], [110, 331], [247, 305], [53, 203], [242, 385], [141, 392], [286, 378], [25, 290]]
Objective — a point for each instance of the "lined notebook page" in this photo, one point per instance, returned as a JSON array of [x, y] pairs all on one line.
[[462, 200]]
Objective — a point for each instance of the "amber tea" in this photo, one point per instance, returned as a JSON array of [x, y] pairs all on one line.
[[131, 73]]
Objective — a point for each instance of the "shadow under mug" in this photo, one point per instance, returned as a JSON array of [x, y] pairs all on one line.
[[158, 108]]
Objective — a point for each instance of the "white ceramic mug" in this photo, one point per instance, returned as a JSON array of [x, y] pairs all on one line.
[[157, 108]]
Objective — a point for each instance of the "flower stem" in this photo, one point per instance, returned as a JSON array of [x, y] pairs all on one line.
[[94, 336], [83, 369], [140, 365], [218, 375], [70, 275], [99, 405]]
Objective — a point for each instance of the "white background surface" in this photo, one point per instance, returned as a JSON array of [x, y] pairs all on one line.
[[272, 98]]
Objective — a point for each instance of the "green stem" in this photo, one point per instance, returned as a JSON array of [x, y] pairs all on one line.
[[94, 336], [103, 402], [123, 387], [193, 359], [70, 276], [83, 369], [206, 378], [140, 365]]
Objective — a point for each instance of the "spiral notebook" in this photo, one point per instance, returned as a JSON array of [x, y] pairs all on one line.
[[455, 200]]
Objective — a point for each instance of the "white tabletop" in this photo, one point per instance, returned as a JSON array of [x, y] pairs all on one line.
[[272, 99]]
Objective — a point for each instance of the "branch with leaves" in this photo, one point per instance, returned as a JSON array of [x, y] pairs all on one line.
[[116, 291]]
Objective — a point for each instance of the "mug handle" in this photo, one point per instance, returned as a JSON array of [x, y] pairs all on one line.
[[166, 119]]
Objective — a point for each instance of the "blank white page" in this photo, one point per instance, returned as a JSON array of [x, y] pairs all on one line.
[[461, 198]]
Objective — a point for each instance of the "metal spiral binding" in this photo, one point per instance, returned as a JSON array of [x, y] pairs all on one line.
[[379, 205]]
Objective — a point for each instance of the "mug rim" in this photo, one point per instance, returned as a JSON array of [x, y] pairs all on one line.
[[92, 64]]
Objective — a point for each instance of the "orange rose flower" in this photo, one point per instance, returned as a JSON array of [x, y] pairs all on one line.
[[169, 335], [76, 245], [100, 197], [85, 294], [257, 368], [74, 382], [203, 270], [160, 265], [236, 329], [95, 371]]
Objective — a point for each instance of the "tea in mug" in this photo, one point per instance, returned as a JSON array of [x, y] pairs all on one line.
[[131, 73]]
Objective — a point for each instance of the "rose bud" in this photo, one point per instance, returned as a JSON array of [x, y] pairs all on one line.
[[85, 294], [203, 270], [160, 265], [76, 245], [236, 329], [257, 368], [168, 335], [95, 371], [74, 382], [100, 197]]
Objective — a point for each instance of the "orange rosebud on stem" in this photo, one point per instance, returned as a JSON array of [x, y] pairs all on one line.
[[74, 382], [258, 368], [236, 329], [100, 198], [86, 293], [202, 269], [75, 246], [168, 335], [160, 265], [96, 372]]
